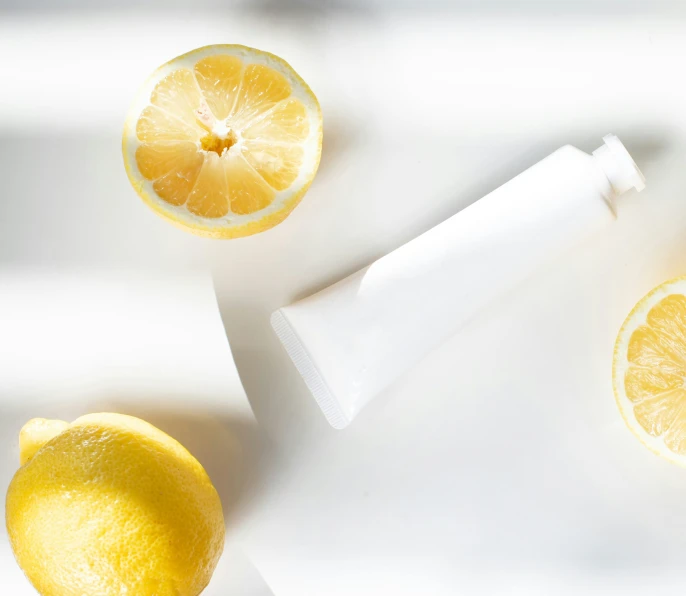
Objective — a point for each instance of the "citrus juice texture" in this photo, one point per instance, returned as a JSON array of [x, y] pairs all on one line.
[[649, 370], [223, 141]]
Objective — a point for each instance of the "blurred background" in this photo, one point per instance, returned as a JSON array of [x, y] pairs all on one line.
[[484, 470]]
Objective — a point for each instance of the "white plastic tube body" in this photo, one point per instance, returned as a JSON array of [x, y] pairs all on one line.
[[353, 339]]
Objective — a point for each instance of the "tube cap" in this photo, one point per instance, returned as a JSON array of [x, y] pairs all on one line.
[[618, 166]]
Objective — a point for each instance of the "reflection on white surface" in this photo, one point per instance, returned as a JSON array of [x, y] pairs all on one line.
[[407, 75], [86, 333]]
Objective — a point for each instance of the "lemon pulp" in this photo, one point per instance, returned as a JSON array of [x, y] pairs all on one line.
[[649, 370], [224, 141]]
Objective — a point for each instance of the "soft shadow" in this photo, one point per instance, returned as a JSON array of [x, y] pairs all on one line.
[[282, 404], [340, 136], [649, 149], [646, 149], [527, 154], [307, 7]]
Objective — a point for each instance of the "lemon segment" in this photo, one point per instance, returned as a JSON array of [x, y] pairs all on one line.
[[262, 88], [649, 370], [219, 78], [223, 141], [277, 164], [178, 95]]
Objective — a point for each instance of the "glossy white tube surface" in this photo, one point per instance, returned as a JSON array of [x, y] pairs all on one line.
[[356, 337]]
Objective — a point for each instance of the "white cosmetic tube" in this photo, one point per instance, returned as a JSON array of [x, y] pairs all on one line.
[[356, 337]]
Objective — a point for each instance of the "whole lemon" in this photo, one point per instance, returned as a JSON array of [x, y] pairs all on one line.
[[110, 505]]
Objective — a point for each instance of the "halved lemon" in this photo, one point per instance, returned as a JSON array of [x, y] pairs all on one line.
[[223, 141], [649, 370]]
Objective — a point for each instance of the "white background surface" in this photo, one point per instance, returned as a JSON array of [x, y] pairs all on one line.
[[498, 466]]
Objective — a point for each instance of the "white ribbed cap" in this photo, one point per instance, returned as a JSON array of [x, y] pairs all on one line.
[[618, 166]]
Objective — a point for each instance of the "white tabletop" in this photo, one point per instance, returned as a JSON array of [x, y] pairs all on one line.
[[500, 464]]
